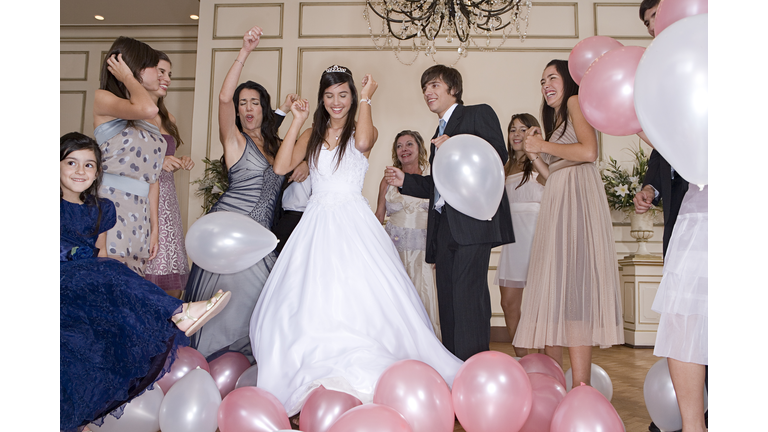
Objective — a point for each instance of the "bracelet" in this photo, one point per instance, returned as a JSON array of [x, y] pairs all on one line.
[[366, 100], [240, 62], [534, 160]]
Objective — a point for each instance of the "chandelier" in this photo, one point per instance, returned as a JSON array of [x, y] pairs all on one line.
[[422, 22]]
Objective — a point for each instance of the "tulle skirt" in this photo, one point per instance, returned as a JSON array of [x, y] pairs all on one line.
[[682, 299]]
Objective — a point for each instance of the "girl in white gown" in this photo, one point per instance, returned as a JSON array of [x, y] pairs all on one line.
[[338, 307]]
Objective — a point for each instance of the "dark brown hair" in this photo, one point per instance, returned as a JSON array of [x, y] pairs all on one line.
[[137, 56], [550, 118], [450, 76], [75, 141], [423, 158], [322, 118], [645, 5], [165, 119], [529, 121], [268, 125]]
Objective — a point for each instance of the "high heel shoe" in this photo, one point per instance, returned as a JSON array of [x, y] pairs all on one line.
[[212, 308]]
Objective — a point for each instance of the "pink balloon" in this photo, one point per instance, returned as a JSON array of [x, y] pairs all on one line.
[[251, 409], [323, 407], [226, 369], [492, 392], [671, 11], [587, 51], [419, 393], [584, 409], [542, 363], [547, 394], [187, 359], [371, 418], [607, 92]]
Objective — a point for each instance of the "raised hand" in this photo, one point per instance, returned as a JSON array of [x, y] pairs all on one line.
[[117, 67], [251, 39], [289, 100], [369, 87], [300, 109]]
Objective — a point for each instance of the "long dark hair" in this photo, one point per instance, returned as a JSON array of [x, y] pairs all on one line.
[[549, 118], [529, 121], [423, 158], [75, 141], [165, 119], [268, 124], [137, 56], [332, 76]]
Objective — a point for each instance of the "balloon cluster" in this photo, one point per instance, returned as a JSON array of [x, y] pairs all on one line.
[[491, 391], [660, 90]]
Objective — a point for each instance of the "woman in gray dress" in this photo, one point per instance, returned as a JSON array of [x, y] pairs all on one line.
[[248, 133]]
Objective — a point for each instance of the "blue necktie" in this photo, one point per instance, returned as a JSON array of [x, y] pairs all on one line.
[[440, 131]]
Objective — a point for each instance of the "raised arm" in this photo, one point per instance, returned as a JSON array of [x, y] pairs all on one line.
[[230, 137], [139, 105], [584, 150], [293, 150], [365, 133]]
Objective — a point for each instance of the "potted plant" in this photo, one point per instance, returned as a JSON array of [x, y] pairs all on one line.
[[212, 185], [621, 186]]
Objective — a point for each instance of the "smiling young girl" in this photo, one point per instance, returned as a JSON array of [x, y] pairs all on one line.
[[573, 297], [119, 333]]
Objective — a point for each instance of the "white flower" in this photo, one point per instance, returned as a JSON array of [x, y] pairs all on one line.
[[621, 189], [635, 184], [634, 179]]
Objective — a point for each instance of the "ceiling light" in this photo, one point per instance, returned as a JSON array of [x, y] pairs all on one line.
[[194, 17], [99, 17]]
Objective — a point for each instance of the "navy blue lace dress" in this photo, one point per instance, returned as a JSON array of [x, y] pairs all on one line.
[[116, 334]]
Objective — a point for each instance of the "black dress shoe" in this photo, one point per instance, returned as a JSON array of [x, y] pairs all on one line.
[[654, 428]]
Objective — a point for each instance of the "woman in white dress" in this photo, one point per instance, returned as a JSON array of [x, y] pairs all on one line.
[[338, 307], [524, 190], [407, 223]]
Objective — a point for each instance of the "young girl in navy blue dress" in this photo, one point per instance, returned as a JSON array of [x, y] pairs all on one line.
[[119, 332]]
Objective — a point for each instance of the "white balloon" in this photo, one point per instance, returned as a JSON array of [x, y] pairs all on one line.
[[660, 396], [248, 378], [671, 96], [469, 174], [192, 404], [226, 242], [599, 379], [140, 415]]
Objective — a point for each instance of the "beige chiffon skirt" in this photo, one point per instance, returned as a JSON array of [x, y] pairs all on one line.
[[572, 296]]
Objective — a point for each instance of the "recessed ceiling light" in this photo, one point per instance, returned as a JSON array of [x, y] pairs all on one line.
[[194, 17], [99, 17]]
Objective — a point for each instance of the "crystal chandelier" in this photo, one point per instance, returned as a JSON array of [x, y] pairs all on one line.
[[424, 21]]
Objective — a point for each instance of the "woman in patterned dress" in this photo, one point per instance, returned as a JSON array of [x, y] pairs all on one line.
[[407, 224], [169, 269], [132, 149]]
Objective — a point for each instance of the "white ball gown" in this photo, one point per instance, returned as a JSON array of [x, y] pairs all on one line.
[[338, 307]]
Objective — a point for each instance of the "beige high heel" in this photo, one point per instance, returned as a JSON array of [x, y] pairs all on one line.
[[212, 308]]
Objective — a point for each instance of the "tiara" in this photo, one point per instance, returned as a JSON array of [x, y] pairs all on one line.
[[337, 68]]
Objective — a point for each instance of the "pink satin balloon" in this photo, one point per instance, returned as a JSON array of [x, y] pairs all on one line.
[[251, 409], [492, 392], [323, 407], [547, 395], [607, 92], [587, 51], [584, 409], [671, 11], [187, 359], [419, 393], [226, 369], [371, 418], [542, 363]]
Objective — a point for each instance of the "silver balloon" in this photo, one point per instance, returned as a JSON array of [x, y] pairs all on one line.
[[140, 415], [248, 378], [599, 379], [191, 405], [226, 242], [469, 174], [661, 399], [672, 99]]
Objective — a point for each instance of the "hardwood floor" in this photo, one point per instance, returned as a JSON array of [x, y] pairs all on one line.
[[627, 368]]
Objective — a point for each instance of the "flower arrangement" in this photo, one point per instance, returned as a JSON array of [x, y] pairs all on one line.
[[622, 185], [213, 184]]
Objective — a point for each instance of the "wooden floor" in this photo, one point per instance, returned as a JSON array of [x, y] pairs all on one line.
[[627, 368]]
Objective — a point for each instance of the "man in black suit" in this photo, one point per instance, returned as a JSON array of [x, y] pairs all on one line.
[[459, 245]]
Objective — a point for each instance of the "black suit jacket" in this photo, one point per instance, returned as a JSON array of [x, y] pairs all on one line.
[[671, 191], [481, 121]]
